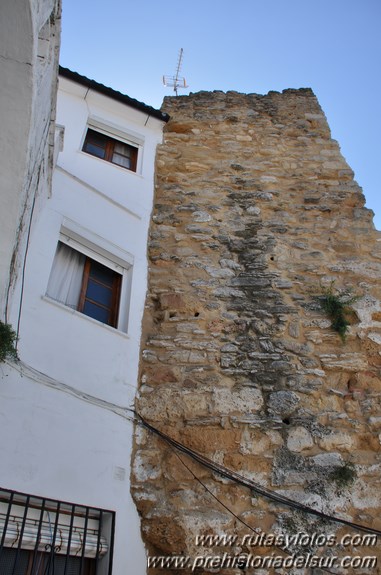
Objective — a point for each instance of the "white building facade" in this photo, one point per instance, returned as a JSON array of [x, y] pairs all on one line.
[[64, 413], [29, 47]]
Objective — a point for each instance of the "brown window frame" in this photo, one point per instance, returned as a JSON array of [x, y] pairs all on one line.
[[113, 308], [98, 283], [108, 144]]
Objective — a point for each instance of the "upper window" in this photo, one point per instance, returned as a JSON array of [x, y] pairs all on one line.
[[111, 150], [86, 285]]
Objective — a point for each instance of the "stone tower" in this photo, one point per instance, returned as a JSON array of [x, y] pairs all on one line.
[[258, 226]]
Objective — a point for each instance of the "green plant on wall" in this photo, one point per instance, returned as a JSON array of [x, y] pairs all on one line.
[[343, 476], [8, 339], [337, 306]]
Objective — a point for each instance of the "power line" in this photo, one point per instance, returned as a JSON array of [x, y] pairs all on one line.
[[244, 481]]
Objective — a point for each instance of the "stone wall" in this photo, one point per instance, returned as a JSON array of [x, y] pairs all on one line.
[[256, 220]]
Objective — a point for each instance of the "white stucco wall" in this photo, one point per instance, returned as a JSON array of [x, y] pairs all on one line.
[[65, 432], [29, 45]]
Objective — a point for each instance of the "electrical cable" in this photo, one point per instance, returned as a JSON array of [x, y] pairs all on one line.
[[31, 172], [244, 481], [256, 530], [24, 267]]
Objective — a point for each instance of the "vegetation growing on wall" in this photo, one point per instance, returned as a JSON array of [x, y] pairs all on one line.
[[337, 306], [343, 476], [8, 339]]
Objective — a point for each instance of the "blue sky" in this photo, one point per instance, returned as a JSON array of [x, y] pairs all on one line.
[[331, 46]]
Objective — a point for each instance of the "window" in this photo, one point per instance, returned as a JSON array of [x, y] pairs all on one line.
[[47, 537], [100, 292], [91, 275], [85, 284], [111, 150]]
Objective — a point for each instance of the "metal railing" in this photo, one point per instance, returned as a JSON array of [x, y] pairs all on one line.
[[43, 536]]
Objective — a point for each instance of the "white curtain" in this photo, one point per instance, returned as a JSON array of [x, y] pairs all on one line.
[[121, 155], [66, 276]]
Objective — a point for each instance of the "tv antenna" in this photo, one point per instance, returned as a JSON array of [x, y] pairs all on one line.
[[176, 81]]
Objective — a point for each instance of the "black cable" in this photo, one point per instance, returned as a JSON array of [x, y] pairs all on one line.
[[241, 480], [31, 171], [255, 530], [24, 267]]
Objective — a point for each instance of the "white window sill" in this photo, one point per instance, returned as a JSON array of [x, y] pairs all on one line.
[[120, 168], [87, 318]]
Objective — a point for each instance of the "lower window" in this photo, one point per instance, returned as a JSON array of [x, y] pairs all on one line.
[[47, 537], [85, 284], [24, 563]]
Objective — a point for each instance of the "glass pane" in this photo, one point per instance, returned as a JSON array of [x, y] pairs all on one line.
[[96, 312], [95, 150], [121, 160], [99, 293], [102, 273], [123, 149], [95, 144]]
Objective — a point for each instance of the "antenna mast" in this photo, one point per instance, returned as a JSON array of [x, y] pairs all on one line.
[[176, 81]]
